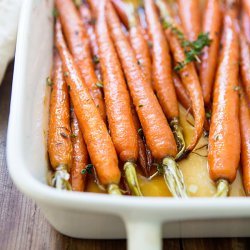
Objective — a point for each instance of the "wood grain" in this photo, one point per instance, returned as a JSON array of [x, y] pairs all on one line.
[[22, 226]]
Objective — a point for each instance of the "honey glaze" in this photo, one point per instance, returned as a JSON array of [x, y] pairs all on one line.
[[194, 169]]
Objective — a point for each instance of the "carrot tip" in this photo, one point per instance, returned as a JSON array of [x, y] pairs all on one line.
[[60, 178], [174, 178], [131, 178], [222, 188], [178, 135], [114, 189]]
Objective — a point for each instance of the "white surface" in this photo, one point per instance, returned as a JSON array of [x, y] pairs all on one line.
[[85, 215], [9, 15]]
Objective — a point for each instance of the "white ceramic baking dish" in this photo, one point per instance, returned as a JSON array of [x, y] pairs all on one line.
[[144, 221]]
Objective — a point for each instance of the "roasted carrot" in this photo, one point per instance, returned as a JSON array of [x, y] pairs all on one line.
[[245, 24], [224, 153], [189, 11], [155, 127], [79, 156], [78, 43], [136, 37], [89, 25], [93, 6], [99, 144], [245, 64], [212, 25], [120, 7], [143, 22], [127, 13], [181, 93], [162, 73], [246, 4], [59, 144], [117, 100], [188, 73], [245, 142], [145, 161]]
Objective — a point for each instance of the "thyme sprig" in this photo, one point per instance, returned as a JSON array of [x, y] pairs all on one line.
[[192, 48]]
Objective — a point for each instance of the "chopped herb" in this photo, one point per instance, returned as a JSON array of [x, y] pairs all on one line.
[[49, 81], [140, 105], [208, 115], [87, 169], [179, 66], [68, 87], [64, 135], [216, 137], [166, 24], [66, 74], [99, 85], [140, 131], [139, 62], [55, 12], [96, 59], [177, 32], [150, 44], [77, 3], [92, 21], [236, 88], [73, 135]]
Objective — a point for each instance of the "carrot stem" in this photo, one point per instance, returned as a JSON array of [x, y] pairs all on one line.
[[222, 188], [179, 138], [174, 178], [114, 189], [60, 179], [131, 177]]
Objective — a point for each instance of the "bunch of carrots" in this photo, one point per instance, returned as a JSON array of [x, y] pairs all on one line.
[[120, 70]]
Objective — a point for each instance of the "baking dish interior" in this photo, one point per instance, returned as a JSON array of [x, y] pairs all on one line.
[[26, 146]]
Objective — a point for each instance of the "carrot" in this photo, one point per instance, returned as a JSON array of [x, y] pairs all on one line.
[[212, 25], [137, 39], [224, 153], [79, 47], [245, 24], [245, 145], [245, 64], [124, 8], [79, 156], [59, 144], [136, 35], [181, 93], [89, 23], [120, 7], [188, 74], [145, 159], [162, 73], [121, 124], [143, 22], [141, 49], [189, 12], [157, 132], [246, 5], [99, 144], [93, 6]]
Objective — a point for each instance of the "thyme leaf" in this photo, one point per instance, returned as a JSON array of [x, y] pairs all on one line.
[[88, 169]]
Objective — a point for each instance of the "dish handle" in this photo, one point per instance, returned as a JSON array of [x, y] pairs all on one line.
[[143, 234]]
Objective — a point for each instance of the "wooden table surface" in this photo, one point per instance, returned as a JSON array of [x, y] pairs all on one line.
[[22, 226]]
